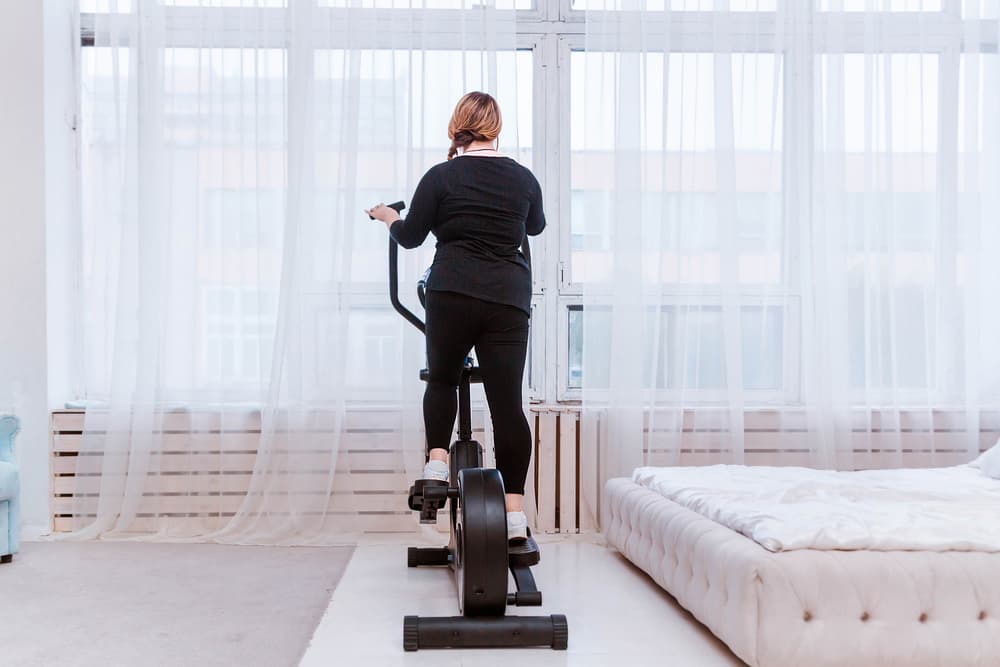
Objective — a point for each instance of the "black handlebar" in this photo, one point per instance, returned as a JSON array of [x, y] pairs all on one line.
[[394, 276], [394, 288]]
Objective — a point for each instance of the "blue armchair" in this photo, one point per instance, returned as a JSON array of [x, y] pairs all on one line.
[[10, 507]]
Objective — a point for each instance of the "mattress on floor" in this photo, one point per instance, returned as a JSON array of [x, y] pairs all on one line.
[[808, 607], [785, 508]]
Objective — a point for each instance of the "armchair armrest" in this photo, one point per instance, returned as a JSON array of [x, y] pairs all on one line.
[[9, 426]]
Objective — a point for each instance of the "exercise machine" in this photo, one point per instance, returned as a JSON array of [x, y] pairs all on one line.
[[478, 553]]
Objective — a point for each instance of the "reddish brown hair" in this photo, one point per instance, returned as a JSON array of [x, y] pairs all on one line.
[[476, 118]]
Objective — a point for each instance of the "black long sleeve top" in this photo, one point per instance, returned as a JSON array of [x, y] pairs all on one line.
[[479, 208]]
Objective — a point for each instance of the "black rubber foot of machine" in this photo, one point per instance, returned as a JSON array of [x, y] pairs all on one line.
[[502, 631], [478, 552]]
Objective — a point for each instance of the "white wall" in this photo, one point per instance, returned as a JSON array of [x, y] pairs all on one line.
[[22, 247], [62, 200]]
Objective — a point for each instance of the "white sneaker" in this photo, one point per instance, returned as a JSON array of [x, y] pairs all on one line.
[[517, 526], [437, 470]]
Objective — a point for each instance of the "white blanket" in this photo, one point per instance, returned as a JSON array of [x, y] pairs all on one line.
[[936, 509]]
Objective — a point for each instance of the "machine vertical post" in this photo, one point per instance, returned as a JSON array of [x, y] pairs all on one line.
[[464, 408]]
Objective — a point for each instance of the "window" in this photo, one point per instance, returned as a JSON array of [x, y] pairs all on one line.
[[686, 225], [690, 235], [229, 193], [566, 124]]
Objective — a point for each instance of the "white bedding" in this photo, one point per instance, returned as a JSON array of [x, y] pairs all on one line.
[[782, 509]]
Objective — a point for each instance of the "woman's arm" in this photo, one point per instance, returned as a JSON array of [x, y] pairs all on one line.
[[536, 216], [412, 231]]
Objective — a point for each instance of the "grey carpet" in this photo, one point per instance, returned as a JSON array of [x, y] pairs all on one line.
[[126, 603]]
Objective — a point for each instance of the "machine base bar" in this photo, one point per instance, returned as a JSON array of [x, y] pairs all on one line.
[[416, 556], [487, 632]]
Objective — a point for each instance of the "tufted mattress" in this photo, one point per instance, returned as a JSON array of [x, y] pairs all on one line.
[[807, 607]]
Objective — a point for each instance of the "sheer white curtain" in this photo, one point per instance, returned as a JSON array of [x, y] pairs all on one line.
[[788, 248], [238, 354]]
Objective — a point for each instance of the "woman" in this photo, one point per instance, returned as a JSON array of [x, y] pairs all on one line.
[[479, 205]]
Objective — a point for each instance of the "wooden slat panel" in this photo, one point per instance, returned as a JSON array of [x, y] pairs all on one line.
[[73, 442], [867, 461], [791, 419], [351, 459], [207, 503], [371, 458], [387, 499], [231, 420], [369, 477], [342, 482], [385, 523], [156, 504], [91, 484], [773, 448], [588, 490], [61, 524], [547, 470], [360, 464], [861, 460], [530, 500], [66, 421], [174, 442], [942, 442], [567, 473], [383, 421], [371, 482], [227, 462]]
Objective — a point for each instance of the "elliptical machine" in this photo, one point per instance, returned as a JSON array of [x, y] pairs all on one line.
[[478, 552]]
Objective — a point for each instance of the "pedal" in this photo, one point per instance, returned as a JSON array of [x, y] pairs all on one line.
[[523, 553], [428, 496]]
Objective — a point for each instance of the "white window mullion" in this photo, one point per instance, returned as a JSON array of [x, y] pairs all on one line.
[[798, 143], [550, 121], [942, 351]]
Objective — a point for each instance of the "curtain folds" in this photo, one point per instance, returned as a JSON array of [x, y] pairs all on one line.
[[246, 378], [781, 243], [790, 252]]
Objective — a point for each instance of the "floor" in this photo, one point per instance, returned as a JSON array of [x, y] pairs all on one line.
[[130, 603], [127, 603], [615, 612]]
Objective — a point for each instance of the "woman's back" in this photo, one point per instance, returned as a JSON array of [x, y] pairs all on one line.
[[480, 209]]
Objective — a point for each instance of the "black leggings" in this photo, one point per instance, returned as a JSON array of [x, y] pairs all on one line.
[[456, 323]]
